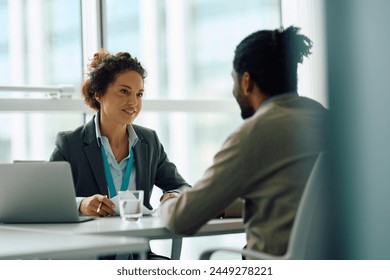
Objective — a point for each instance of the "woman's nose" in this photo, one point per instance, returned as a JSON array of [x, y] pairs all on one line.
[[132, 100]]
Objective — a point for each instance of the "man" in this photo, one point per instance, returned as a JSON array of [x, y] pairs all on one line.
[[268, 159]]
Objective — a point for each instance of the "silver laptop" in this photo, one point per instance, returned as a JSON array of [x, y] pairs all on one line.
[[38, 192]]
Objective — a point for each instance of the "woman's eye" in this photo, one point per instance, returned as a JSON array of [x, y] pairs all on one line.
[[124, 91], [140, 94]]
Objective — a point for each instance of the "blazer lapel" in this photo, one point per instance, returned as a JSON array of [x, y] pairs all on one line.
[[94, 156]]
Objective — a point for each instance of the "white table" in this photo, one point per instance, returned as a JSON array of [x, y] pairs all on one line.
[[24, 244], [149, 227]]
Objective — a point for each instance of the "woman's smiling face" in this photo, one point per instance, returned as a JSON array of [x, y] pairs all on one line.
[[122, 101]]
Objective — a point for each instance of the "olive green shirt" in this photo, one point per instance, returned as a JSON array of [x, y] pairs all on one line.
[[266, 162]]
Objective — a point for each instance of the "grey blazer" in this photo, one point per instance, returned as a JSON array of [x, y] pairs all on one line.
[[81, 150]]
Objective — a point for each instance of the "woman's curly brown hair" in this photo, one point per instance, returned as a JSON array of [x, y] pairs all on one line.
[[103, 70]]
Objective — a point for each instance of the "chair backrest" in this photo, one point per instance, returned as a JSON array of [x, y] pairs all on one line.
[[308, 236]]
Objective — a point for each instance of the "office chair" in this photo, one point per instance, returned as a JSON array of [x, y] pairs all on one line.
[[308, 235]]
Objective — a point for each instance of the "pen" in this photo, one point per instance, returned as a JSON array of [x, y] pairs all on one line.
[[100, 205], [98, 209]]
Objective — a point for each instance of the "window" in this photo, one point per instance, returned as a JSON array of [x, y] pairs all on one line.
[[187, 48], [37, 47], [182, 45], [188, 56]]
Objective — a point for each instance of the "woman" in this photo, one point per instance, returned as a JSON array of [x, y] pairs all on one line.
[[110, 153]]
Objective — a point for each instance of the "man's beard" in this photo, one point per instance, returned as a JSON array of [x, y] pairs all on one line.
[[246, 111]]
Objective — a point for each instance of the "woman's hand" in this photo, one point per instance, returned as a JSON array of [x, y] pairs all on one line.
[[167, 196], [97, 205]]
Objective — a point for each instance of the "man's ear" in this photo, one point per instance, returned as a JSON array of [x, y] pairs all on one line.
[[246, 83]]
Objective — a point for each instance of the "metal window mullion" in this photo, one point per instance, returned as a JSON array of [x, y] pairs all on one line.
[[92, 29], [102, 21]]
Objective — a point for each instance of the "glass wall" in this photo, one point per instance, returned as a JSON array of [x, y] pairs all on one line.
[[4, 46], [187, 48], [42, 39], [40, 42]]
